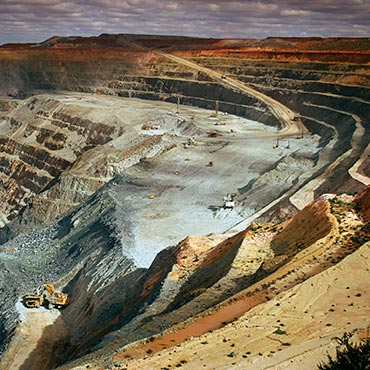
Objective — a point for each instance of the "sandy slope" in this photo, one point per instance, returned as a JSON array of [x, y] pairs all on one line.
[[308, 315], [29, 335]]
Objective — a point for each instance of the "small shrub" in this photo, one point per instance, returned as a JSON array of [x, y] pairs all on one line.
[[349, 356], [279, 331]]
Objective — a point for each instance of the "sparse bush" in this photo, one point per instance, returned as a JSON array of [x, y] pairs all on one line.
[[279, 331], [349, 356]]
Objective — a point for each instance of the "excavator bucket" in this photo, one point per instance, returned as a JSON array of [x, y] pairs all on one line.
[[59, 299]]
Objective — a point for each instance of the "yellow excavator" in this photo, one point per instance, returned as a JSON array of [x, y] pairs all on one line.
[[49, 299]]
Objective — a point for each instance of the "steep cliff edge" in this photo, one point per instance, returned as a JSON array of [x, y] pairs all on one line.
[[115, 303], [318, 264]]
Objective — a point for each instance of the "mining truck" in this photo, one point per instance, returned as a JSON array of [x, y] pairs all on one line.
[[229, 200], [49, 299], [33, 301]]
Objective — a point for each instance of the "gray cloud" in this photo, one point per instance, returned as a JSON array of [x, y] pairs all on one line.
[[36, 20]]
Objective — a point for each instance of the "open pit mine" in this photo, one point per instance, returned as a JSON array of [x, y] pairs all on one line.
[[178, 202]]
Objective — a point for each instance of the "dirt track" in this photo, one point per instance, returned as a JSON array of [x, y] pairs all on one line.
[[283, 113]]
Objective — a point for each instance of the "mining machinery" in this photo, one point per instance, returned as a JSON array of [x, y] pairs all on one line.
[[49, 298]]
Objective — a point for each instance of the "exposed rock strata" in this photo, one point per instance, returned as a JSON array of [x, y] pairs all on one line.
[[52, 149]]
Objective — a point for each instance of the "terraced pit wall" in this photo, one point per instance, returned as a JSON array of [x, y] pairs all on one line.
[[125, 73], [37, 144], [327, 88]]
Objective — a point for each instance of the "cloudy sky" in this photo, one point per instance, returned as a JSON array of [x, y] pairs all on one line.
[[37, 20]]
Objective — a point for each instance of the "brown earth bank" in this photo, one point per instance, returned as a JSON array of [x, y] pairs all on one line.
[[286, 319], [95, 184]]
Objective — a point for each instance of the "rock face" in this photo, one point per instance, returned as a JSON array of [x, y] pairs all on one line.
[[114, 301], [54, 154], [44, 141]]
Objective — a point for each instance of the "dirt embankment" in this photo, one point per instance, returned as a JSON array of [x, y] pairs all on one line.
[[37, 342], [285, 304], [299, 229], [363, 201], [294, 330], [148, 301]]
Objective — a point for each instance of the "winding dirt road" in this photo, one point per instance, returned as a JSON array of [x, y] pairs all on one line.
[[285, 115], [306, 194]]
